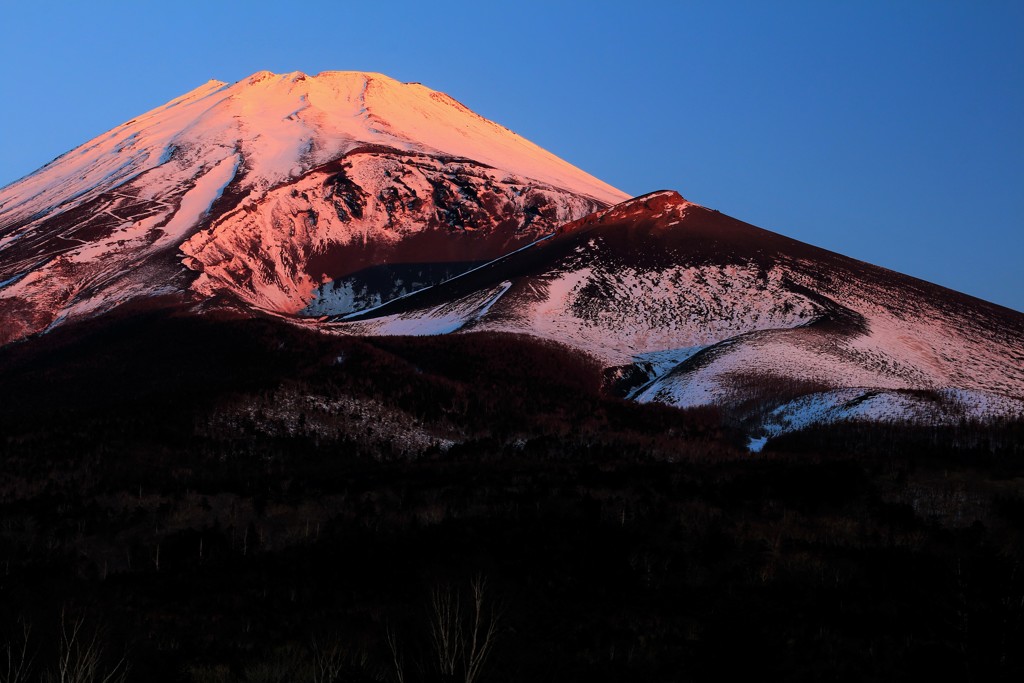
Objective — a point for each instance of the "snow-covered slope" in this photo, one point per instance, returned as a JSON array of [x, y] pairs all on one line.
[[356, 204], [103, 223], [315, 245], [946, 406], [686, 306]]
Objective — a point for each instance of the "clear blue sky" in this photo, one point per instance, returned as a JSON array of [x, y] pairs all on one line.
[[889, 131]]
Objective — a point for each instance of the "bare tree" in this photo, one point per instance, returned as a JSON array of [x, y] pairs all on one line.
[[486, 622], [396, 654], [80, 657], [446, 628], [463, 634], [281, 665], [18, 661], [331, 659]]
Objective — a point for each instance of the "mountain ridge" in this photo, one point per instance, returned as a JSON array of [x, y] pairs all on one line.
[[686, 306], [355, 204]]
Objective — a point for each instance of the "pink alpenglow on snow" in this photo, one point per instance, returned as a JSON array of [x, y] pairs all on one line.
[[351, 203], [284, 125], [686, 306], [211, 189]]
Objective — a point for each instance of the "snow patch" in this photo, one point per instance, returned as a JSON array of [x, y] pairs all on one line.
[[756, 444], [948, 406], [11, 280], [197, 201], [443, 319]]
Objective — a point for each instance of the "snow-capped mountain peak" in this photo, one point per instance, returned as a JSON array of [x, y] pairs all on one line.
[[357, 204], [283, 125], [370, 160]]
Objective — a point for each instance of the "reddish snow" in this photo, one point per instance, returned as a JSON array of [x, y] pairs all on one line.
[[284, 125], [95, 226]]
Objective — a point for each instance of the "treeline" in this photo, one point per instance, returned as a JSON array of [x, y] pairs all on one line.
[[816, 567]]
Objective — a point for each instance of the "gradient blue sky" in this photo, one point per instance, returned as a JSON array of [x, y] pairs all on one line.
[[892, 132]]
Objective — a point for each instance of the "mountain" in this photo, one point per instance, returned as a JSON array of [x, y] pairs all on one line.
[[353, 204], [282, 192], [328, 378], [689, 307]]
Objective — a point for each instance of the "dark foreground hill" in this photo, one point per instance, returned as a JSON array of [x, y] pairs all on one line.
[[241, 500]]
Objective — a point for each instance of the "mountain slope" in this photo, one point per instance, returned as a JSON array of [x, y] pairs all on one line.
[[104, 223], [355, 204], [687, 306]]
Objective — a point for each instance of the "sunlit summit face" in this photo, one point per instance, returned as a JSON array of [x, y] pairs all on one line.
[[148, 185], [279, 126]]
